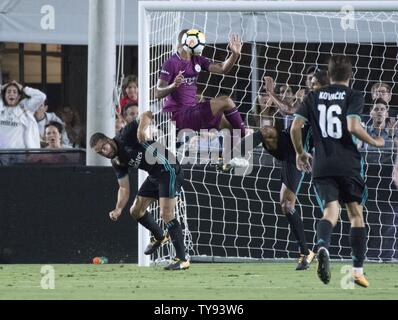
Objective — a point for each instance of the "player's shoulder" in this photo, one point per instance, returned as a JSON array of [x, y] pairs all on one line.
[[171, 61], [174, 57]]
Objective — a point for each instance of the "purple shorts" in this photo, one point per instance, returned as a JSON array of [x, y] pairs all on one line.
[[197, 117]]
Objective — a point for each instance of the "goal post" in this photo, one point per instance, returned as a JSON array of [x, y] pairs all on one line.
[[232, 217]]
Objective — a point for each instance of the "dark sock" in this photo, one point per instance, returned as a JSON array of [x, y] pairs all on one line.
[[148, 222], [234, 118], [324, 233], [177, 238], [297, 227], [358, 246]]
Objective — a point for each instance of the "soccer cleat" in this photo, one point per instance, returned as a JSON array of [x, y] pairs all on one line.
[[177, 264], [323, 265], [155, 244], [233, 164], [360, 280], [305, 261]]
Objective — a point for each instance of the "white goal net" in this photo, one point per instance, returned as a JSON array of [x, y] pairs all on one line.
[[230, 216]]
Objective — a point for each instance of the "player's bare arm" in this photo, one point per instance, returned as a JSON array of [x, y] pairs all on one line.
[[163, 89], [283, 106], [355, 127], [302, 158], [235, 45], [145, 121], [122, 198]]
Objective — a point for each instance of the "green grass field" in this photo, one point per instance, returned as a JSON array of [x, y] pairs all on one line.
[[243, 281]]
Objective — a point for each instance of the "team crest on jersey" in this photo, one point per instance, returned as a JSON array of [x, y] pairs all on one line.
[[198, 68], [135, 163]]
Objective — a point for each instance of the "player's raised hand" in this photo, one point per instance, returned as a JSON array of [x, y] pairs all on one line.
[[303, 162], [379, 142], [269, 84], [142, 136], [235, 43], [179, 79], [300, 94], [115, 214]]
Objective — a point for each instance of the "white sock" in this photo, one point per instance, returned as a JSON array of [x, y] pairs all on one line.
[[358, 270]]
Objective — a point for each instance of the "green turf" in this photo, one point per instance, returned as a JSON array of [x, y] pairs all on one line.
[[202, 281]]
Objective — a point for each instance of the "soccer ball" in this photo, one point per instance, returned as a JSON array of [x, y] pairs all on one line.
[[193, 41]]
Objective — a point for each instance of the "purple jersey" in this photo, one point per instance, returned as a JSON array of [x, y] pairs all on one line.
[[185, 95]]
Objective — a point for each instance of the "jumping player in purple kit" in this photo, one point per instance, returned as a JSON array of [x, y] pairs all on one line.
[[177, 84]]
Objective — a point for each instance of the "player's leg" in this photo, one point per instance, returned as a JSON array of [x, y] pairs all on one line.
[[267, 136], [288, 202], [225, 105], [358, 242], [355, 194], [174, 228], [170, 183], [327, 193], [147, 194]]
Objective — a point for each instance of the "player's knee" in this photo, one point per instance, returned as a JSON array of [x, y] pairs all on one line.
[[356, 215], [287, 206], [166, 215], [225, 103], [135, 213]]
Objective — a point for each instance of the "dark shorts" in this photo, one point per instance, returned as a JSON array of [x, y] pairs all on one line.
[[290, 175], [343, 189], [284, 150], [165, 185], [197, 117]]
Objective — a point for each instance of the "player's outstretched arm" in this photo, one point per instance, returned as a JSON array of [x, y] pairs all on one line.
[[122, 197], [145, 121], [283, 106], [354, 126], [163, 89], [235, 45]]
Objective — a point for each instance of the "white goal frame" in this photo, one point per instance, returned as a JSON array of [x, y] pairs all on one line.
[[229, 6]]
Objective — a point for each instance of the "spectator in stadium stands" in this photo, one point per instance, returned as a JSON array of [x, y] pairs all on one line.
[[119, 123], [18, 126], [130, 112], [311, 70], [379, 90], [379, 127], [263, 113], [74, 129], [129, 92], [53, 134], [319, 80], [284, 99], [43, 118]]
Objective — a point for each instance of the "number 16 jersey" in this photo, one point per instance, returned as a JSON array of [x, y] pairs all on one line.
[[326, 110]]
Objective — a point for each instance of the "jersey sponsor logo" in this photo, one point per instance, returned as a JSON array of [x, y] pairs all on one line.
[[135, 163], [198, 68], [9, 123], [340, 95], [189, 81]]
